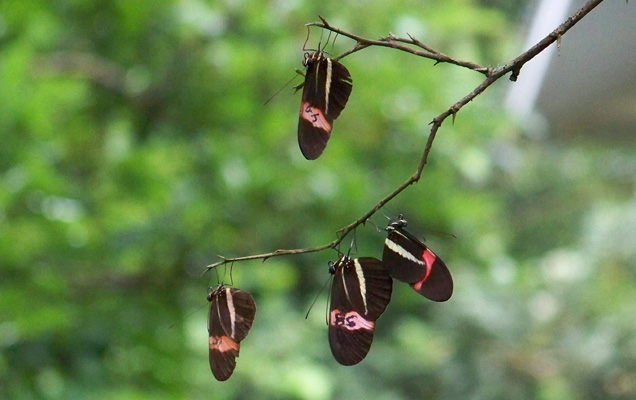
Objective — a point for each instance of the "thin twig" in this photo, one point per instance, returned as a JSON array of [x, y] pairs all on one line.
[[494, 74], [395, 43], [276, 253]]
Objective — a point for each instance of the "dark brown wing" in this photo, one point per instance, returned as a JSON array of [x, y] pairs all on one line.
[[379, 286], [245, 310], [326, 91], [360, 292], [341, 86], [231, 316]]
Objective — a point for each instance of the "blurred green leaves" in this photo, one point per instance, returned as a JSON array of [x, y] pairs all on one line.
[[135, 148]]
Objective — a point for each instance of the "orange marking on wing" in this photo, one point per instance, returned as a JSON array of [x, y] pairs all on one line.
[[223, 344], [314, 116]]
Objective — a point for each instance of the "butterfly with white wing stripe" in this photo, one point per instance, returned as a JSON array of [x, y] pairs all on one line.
[[409, 260], [326, 91], [231, 316], [360, 291]]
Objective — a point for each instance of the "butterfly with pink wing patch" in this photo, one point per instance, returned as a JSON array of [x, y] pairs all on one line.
[[360, 291], [326, 91], [231, 316]]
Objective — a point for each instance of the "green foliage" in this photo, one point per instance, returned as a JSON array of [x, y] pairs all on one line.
[[136, 147]]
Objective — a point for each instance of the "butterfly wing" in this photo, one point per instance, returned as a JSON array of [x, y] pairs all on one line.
[[245, 310], [341, 86], [326, 91], [378, 285], [360, 292], [231, 316], [409, 260], [401, 257]]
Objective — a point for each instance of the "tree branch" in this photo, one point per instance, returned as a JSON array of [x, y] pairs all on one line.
[[394, 42], [492, 75]]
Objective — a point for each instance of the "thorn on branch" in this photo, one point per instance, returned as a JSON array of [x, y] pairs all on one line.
[[324, 21], [515, 73], [420, 44]]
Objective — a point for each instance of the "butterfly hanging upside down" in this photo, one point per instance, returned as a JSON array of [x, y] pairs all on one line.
[[231, 316], [326, 91], [409, 260], [360, 291]]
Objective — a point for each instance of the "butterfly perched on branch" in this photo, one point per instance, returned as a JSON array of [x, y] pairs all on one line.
[[231, 316], [409, 260], [326, 91], [360, 291]]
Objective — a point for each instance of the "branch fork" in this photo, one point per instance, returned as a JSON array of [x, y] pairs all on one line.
[[403, 44]]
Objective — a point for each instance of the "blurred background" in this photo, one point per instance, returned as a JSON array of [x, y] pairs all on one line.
[[136, 147]]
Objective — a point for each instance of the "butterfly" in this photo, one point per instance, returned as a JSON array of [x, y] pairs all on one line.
[[326, 91], [409, 260], [360, 291], [231, 316]]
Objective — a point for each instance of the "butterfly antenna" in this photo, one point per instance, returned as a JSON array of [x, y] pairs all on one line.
[[328, 306], [316, 298], [441, 233], [387, 214], [377, 228], [281, 89], [188, 315]]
